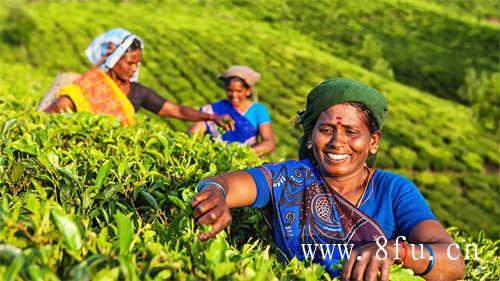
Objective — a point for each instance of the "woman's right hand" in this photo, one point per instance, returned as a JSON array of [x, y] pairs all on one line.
[[61, 104], [224, 121], [210, 207]]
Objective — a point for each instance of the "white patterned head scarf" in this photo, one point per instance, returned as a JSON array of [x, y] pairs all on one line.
[[121, 40]]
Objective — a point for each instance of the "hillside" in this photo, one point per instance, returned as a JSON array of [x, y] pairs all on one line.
[[148, 172], [417, 40]]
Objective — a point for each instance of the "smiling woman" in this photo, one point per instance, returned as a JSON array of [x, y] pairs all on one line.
[[341, 140], [111, 86], [333, 197], [252, 122]]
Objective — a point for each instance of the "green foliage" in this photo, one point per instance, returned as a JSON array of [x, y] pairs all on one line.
[[188, 45], [65, 224], [427, 45], [481, 255], [93, 170], [18, 26], [403, 157], [473, 160], [373, 57], [483, 93], [98, 181], [474, 88], [481, 9]]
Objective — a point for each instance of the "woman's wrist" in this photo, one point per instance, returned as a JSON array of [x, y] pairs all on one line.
[[210, 183], [398, 251], [401, 252], [430, 264], [210, 117]]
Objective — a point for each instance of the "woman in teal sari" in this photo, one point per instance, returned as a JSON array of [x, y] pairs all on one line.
[[331, 205], [252, 124]]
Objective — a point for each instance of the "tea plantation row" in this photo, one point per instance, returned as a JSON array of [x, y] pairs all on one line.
[[83, 198], [420, 40]]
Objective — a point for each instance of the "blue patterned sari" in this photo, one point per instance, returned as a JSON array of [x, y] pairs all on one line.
[[244, 131], [305, 211]]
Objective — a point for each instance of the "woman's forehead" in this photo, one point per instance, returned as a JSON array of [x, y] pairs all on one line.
[[233, 83], [343, 112], [133, 56]]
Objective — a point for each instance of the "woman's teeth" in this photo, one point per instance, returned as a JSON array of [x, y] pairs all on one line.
[[337, 157]]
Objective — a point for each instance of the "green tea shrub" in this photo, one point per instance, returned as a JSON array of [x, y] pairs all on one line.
[[482, 93], [473, 161], [474, 87], [204, 39], [372, 54], [19, 25], [403, 157], [428, 44], [482, 9], [84, 198], [483, 263], [93, 169]]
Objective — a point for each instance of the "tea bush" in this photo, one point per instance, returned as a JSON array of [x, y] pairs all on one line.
[[19, 26], [419, 39], [83, 198]]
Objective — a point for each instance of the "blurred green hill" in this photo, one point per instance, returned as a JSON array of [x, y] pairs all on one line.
[[419, 43], [414, 52]]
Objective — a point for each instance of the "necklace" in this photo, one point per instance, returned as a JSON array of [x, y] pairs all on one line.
[[243, 108], [122, 85], [365, 183]]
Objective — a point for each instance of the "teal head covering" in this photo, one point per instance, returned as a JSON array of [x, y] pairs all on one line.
[[335, 91]]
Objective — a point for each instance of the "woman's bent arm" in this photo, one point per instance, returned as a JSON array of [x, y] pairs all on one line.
[[197, 127], [182, 112], [448, 263], [210, 206], [267, 143]]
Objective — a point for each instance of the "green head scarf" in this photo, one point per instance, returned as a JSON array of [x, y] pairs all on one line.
[[335, 91]]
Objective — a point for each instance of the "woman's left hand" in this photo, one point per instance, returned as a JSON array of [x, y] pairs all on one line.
[[364, 264]]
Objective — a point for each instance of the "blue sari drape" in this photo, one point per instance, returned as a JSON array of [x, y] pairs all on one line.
[[307, 212], [244, 131]]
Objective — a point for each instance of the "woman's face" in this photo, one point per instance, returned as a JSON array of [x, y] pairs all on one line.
[[341, 140], [127, 65], [237, 93]]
